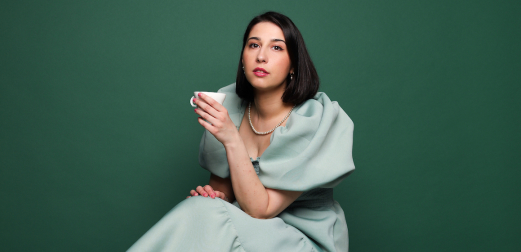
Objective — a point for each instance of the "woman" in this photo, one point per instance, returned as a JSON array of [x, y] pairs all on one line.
[[275, 149]]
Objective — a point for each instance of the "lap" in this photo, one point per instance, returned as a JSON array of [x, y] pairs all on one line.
[[206, 224]]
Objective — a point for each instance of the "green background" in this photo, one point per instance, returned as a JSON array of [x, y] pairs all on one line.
[[98, 141]]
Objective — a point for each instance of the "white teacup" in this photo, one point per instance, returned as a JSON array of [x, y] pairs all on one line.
[[218, 97]]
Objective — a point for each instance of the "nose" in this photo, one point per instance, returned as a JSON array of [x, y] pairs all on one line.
[[261, 56]]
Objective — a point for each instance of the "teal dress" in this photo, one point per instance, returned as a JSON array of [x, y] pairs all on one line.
[[312, 153]]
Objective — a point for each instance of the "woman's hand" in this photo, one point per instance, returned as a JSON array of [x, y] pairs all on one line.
[[218, 122], [207, 191]]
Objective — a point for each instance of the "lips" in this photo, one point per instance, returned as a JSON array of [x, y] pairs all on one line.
[[260, 72]]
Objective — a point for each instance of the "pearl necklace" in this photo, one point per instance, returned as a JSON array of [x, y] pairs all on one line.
[[267, 132]]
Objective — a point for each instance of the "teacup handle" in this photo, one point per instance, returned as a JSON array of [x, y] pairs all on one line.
[[192, 102]]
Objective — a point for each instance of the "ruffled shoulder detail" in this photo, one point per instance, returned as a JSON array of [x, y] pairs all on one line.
[[313, 150]]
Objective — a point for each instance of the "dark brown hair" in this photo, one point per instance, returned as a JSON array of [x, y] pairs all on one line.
[[305, 81]]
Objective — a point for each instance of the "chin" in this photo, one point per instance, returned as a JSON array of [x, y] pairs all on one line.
[[264, 86]]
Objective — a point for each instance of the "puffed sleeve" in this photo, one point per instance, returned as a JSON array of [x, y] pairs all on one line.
[[212, 155], [313, 150]]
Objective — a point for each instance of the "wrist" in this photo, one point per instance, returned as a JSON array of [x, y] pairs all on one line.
[[234, 142]]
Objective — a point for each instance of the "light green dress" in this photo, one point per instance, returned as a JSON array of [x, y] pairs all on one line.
[[312, 153]]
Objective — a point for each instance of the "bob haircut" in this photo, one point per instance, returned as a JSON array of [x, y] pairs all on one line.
[[305, 81]]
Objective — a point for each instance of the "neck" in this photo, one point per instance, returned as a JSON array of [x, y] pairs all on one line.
[[268, 104]]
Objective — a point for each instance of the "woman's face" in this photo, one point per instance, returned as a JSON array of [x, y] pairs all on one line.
[[265, 57]]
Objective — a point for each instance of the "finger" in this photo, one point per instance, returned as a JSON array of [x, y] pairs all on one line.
[[206, 107], [210, 191], [193, 193], [188, 197], [220, 195], [206, 116], [217, 106], [201, 191], [206, 125]]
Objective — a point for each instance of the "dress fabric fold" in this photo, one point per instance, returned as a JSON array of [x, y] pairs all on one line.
[[312, 153]]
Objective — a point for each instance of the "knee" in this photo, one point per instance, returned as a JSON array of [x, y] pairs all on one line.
[[196, 209], [199, 203]]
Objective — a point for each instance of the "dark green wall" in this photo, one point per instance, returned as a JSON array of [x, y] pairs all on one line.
[[98, 142]]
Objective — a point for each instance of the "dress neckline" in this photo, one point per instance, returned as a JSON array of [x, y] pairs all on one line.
[[242, 112]]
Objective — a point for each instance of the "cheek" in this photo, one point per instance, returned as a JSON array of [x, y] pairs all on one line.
[[246, 58], [284, 64]]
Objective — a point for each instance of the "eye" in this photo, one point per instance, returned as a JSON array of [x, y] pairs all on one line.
[[277, 48], [253, 45]]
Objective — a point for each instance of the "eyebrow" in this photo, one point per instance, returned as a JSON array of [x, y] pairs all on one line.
[[274, 40]]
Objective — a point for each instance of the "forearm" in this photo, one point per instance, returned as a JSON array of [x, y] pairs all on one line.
[[249, 192]]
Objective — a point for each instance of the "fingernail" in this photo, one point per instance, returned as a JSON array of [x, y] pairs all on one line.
[[195, 194], [213, 196], [195, 110], [205, 195], [199, 94], [194, 100]]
